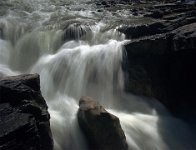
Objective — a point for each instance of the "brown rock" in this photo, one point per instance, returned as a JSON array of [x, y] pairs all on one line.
[[102, 129]]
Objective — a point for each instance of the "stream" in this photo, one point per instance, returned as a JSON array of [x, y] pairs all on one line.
[[77, 50]]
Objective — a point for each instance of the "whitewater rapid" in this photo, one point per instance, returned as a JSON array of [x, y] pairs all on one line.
[[32, 41]]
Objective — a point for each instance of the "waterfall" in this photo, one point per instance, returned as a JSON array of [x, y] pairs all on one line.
[[77, 69], [32, 40]]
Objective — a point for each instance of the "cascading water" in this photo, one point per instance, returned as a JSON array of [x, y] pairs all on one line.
[[81, 60]]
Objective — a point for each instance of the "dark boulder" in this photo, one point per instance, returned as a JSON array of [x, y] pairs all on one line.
[[24, 119], [142, 63], [163, 66], [102, 129]]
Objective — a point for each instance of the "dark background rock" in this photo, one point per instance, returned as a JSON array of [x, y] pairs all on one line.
[[155, 14], [102, 129], [167, 24], [24, 119], [133, 32]]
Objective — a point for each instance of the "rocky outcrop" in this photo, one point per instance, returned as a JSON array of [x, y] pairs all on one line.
[[24, 119], [102, 129], [167, 23], [160, 60], [158, 10], [152, 54]]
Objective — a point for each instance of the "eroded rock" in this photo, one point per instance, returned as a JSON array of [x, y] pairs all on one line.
[[102, 129]]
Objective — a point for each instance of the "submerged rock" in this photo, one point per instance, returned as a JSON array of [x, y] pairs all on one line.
[[24, 119], [102, 129], [76, 31]]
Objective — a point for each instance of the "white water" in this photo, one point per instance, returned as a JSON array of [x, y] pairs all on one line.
[[32, 43]]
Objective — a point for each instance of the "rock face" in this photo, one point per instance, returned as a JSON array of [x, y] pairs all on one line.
[[102, 129], [160, 59], [24, 119]]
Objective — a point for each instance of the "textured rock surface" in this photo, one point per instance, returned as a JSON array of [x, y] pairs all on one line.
[[102, 129], [24, 119], [161, 59]]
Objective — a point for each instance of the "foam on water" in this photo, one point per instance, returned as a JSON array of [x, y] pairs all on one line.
[[31, 41]]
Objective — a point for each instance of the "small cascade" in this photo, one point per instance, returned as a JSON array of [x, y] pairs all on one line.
[[77, 31]]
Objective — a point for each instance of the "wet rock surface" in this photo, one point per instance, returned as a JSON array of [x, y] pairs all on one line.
[[160, 59], [76, 31], [24, 119], [102, 129]]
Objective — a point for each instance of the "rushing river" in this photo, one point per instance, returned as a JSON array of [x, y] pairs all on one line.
[[77, 51]]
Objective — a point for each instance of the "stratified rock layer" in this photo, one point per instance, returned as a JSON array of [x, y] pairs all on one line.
[[24, 119], [102, 129]]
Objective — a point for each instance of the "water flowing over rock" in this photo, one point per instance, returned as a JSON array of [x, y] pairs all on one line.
[[76, 31], [76, 48], [24, 119], [102, 129]]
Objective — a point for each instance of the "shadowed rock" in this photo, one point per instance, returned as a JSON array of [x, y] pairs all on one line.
[[102, 129], [163, 66], [24, 119], [160, 58]]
